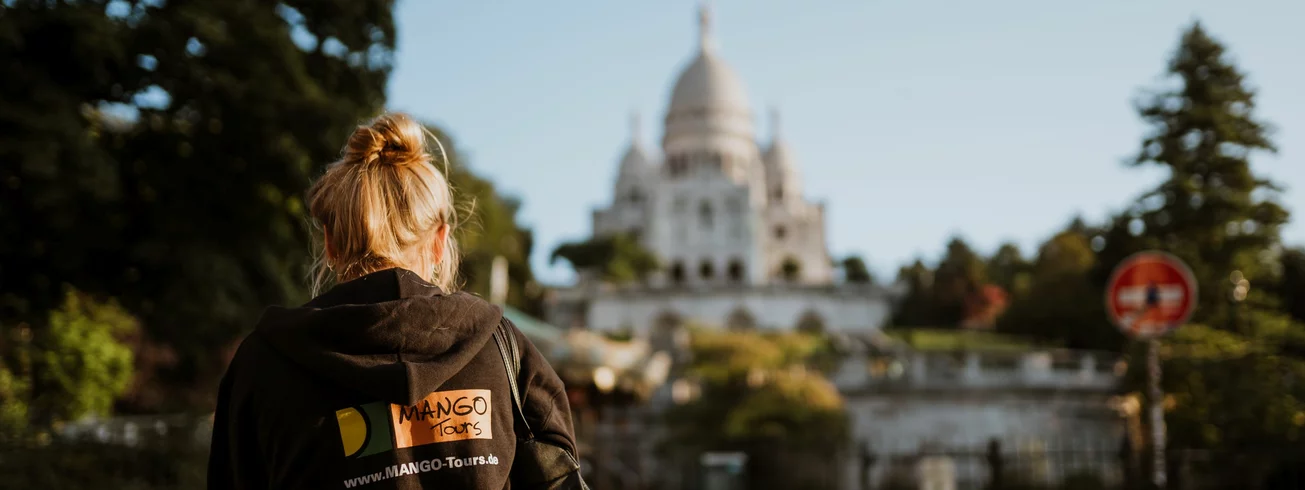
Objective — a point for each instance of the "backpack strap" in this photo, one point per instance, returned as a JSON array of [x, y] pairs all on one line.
[[510, 351]]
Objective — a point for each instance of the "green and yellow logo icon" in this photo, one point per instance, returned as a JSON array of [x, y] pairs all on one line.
[[365, 429], [443, 416]]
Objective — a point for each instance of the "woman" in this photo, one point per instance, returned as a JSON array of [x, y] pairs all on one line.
[[390, 379]]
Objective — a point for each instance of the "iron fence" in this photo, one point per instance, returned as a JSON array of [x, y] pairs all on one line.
[[170, 456]]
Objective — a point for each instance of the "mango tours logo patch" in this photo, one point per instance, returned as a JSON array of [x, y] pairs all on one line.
[[443, 416]]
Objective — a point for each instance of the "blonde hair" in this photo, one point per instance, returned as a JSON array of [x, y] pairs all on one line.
[[381, 205]]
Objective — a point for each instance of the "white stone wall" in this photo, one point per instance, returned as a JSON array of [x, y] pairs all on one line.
[[1034, 403], [778, 308], [803, 240], [1029, 425], [680, 234]]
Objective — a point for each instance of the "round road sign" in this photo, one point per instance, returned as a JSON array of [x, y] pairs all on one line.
[[1150, 294]]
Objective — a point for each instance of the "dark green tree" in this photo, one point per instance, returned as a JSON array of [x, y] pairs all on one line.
[[1232, 372], [757, 395], [855, 271], [158, 152], [1062, 304], [1008, 269], [917, 306], [1212, 210], [489, 229], [74, 367], [957, 281], [617, 258], [1290, 289]]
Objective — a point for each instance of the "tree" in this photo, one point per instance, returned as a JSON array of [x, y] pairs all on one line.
[[1008, 269], [855, 271], [958, 282], [75, 367], [916, 308], [1212, 211], [617, 258], [1232, 372], [757, 396], [489, 229], [1290, 289], [1062, 303], [158, 151]]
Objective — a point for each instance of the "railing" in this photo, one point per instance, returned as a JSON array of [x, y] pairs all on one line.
[[1009, 465], [980, 370]]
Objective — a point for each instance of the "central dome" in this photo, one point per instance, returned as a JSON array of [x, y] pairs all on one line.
[[709, 111], [708, 83]]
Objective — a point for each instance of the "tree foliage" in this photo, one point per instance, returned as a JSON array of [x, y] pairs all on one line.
[[1009, 270], [959, 279], [758, 395], [490, 229], [1290, 288], [948, 295], [158, 151], [916, 308], [1233, 374], [1212, 211], [1237, 390], [75, 367], [1062, 304], [616, 258], [855, 270]]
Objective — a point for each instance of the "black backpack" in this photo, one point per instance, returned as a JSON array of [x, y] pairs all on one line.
[[538, 464]]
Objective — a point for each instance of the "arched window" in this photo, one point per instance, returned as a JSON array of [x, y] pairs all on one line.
[[677, 273], [706, 270], [741, 319], [736, 271], [635, 196], [780, 232], [778, 193], [790, 270], [705, 215], [811, 323]]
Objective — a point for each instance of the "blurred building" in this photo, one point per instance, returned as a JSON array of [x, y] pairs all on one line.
[[739, 244], [969, 417]]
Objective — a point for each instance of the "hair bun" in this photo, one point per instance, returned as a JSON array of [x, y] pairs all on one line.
[[390, 139]]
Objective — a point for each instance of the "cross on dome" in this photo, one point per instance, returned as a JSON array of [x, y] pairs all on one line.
[[705, 41], [774, 124], [635, 128]]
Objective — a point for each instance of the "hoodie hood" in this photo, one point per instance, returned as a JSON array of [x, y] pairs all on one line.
[[389, 334]]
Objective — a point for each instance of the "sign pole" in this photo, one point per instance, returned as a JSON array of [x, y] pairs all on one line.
[[1156, 395], [1149, 295]]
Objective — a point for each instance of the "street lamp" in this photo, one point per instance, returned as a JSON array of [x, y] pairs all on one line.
[[1241, 287]]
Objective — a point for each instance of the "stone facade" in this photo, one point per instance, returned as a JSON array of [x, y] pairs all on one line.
[[726, 216], [1052, 412]]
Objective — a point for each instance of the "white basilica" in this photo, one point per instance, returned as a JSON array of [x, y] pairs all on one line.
[[739, 245]]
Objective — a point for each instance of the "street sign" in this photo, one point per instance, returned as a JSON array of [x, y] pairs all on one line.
[[1150, 294]]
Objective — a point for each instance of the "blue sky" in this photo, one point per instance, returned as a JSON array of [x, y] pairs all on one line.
[[913, 120]]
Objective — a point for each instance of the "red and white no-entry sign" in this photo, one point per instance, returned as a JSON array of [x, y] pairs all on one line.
[[1150, 294]]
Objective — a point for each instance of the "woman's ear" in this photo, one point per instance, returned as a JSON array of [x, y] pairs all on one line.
[[441, 238]]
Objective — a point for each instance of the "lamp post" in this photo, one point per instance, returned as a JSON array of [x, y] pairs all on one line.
[[1241, 288]]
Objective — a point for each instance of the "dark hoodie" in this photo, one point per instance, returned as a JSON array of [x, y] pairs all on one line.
[[383, 382]]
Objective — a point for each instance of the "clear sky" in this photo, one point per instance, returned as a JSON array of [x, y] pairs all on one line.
[[913, 120]]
